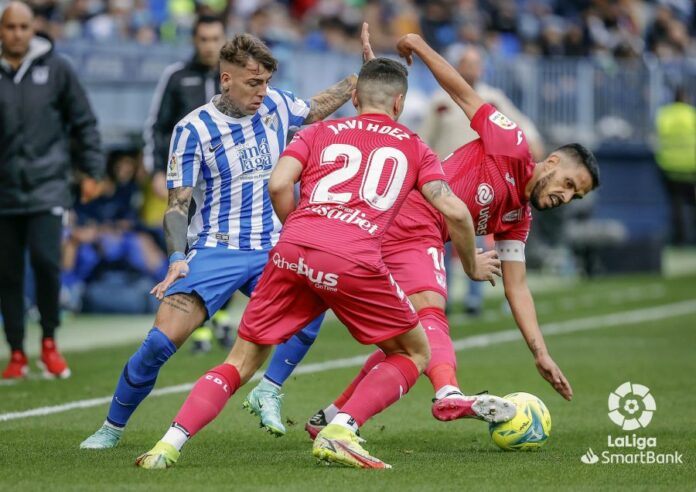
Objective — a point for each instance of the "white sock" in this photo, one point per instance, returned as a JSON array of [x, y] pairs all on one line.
[[115, 427], [442, 392], [176, 437], [345, 420], [268, 382], [330, 412]]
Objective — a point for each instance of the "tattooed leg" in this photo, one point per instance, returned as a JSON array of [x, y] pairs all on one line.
[[179, 315]]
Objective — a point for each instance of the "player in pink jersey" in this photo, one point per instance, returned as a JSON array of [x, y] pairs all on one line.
[[498, 180], [356, 173]]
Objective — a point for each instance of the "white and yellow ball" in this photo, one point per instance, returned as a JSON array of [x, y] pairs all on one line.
[[529, 429]]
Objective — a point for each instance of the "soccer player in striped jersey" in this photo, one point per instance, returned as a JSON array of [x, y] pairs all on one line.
[[355, 174], [221, 157], [497, 178]]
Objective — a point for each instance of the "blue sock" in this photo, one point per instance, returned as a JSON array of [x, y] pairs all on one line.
[[139, 376], [291, 353]]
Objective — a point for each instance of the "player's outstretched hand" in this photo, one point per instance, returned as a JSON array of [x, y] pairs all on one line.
[[406, 45], [550, 371], [177, 270], [367, 53], [487, 266]]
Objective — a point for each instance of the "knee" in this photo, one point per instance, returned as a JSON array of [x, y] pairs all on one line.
[[421, 356], [419, 353], [155, 350], [247, 357]]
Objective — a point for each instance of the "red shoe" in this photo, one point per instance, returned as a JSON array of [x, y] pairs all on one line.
[[482, 407], [52, 363], [18, 366]]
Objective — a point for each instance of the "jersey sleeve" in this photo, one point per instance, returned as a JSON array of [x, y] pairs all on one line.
[[430, 167], [499, 134], [510, 244], [185, 153], [298, 109], [300, 147]]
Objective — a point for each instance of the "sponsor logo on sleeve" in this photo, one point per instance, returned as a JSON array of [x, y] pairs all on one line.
[[173, 170], [514, 216], [499, 119]]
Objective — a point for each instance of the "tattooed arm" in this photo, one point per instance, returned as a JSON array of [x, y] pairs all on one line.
[[176, 219], [175, 228], [448, 77], [329, 100]]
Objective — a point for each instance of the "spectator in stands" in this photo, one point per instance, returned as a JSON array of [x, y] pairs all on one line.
[[624, 29], [676, 155], [446, 128], [42, 106], [107, 246]]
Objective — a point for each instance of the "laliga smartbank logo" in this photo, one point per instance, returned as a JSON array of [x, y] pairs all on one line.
[[631, 407]]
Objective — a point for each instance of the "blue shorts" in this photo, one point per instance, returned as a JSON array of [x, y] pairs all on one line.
[[217, 273]]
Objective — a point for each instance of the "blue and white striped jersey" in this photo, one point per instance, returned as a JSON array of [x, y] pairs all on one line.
[[228, 162]]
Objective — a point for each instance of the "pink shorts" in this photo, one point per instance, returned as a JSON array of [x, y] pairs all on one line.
[[300, 283], [417, 266]]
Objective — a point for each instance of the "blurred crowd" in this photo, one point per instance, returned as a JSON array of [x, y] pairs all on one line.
[[113, 246], [549, 28]]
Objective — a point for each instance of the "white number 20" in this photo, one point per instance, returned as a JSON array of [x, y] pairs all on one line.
[[352, 157]]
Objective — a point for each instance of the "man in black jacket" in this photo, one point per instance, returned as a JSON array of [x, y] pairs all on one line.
[[183, 87], [42, 107]]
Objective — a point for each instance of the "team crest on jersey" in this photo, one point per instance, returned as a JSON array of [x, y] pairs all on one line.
[[173, 168], [39, 75], [514, 216], [271, 121], [502, 121], [484, 194]]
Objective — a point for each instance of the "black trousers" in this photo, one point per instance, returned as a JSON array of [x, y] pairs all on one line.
[[41, 235], [682, 198]]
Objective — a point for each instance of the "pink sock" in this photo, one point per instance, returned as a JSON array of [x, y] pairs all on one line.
[[442, 368], [208, 397], [382, 386], [374, 359]]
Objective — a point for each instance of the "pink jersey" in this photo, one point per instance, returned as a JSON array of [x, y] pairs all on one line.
[[489, 175], [356, 174]]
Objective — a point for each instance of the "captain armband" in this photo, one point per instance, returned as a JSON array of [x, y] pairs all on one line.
[[509, 250]]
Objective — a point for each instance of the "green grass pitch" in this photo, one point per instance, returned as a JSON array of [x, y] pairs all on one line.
[[41, 453]]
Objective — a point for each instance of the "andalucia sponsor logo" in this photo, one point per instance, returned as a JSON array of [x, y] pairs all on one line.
[[631, 407]]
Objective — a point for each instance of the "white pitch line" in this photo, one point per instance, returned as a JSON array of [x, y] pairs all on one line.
[[573, 325]]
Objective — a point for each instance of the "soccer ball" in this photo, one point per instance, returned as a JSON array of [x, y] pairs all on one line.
[[529, 429]]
